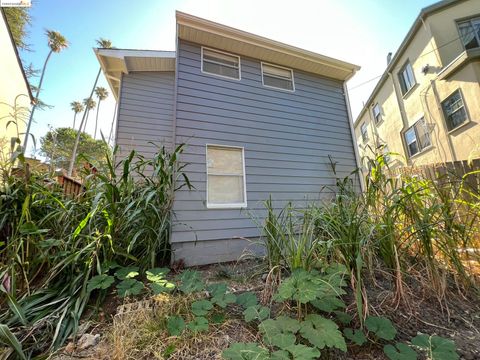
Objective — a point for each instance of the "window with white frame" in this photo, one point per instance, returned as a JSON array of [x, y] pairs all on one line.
[[406, 78], [377, 114], [417, 138], [220, 63], [277, 77], [454, 110], [364, 131], [225, 177], [470, 33]]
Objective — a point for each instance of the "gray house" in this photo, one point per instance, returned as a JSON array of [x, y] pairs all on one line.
[[260, 118]]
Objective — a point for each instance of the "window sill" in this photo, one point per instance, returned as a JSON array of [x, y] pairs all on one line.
[[279, 89], [377, 124], [459, 127], [226, 206], [411, 90], [428, 148]]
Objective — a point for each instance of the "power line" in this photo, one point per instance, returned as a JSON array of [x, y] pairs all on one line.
[[427, 53]]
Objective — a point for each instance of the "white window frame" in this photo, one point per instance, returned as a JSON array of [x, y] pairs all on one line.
[[219, 75], [474, 19], [420, 147], [377, 118], [279, 67], [445, 115], [231, 205], [401, 78], [364, 135]]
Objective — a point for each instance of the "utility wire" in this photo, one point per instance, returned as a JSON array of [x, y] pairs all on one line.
[[427, 53]]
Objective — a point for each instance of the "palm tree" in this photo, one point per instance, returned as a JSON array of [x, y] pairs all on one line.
[[89, 104], [76, 107], [102, 94], [102, 44], [56, 43]]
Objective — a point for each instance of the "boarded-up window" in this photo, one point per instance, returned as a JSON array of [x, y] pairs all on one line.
[[225, 177], [220, 63], [277, 77]]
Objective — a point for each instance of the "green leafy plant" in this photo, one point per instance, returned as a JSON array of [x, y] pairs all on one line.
[[245, 351], [279, 332], [129, 287], [400, 352], [247, 299], [220, 296], [355, 335], [256, 312], [198, 324], [190, 281], [436, 347], [175, 325], [322, 332], [128, 272], [158, 283], [381, 327], [102, 282], [201, 307]]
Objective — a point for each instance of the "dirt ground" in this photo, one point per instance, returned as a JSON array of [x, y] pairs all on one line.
[[456, 317]]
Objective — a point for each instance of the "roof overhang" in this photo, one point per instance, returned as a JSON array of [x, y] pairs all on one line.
[[115, 62], [208, 33], [459, 62]]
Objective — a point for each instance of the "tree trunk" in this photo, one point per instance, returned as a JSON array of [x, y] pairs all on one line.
[[111, 127], [75, 146], [86, 121], [74, 118], [27, 133], [96, 120]]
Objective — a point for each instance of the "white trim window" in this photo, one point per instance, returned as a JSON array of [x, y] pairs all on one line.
[[470, 33], [226, 185], [406, 78], [454, 110], [364, 132], [417, 138], [377, 113], [220, 63], [277, 77]]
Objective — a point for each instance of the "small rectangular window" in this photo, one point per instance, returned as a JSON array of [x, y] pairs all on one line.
[[454, 110], [220, 63], [277, 77], [470, 33], [406, 78], [377, 114], [225, 177], [417, 137], [364, 131]]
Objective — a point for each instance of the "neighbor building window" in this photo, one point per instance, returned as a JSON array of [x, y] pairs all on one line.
[[406, 78], [470, 33], [417, 137], [277, 77], [364, 131], [225, 177], [220, 63], [377, 114], [454, 110]]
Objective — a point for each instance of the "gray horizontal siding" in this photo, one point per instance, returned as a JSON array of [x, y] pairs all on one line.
[[287, 138], [145, 112]]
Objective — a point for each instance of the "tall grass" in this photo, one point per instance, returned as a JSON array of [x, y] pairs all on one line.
[[51, 244]]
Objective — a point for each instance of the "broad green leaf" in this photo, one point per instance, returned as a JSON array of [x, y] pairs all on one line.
[[247, 299], [400, 352], [256, 312], [198, 324], [201, 307], [165, 287], [322, 332], [157, 275], [218, 318], [128, 272], [245, 351], [437, 348], [381, 327], [303, 352], [217, 289], [283, 340], [280, 355], [343, 317], [223, 300], [271, 328], [175, 325], [328, 304], [190, 281], [129, 287], [102, 281], [356, 336], [299, 287], [7, 338]]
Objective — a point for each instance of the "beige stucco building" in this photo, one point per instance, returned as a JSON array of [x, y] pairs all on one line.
[[426, 106], [15, 95]]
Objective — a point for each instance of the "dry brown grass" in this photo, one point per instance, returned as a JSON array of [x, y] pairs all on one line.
[[142, 334]]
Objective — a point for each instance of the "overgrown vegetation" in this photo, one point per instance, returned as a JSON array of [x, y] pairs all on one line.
[[52, 245]]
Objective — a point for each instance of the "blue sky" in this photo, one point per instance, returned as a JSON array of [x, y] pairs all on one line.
[[361, 32]]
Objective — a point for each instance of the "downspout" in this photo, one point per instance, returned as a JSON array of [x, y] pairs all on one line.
[[117, 113], [354, 139]]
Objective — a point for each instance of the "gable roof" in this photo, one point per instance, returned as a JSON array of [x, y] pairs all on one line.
[[424, 13], [115, 62], [209, 33], [12, 41]]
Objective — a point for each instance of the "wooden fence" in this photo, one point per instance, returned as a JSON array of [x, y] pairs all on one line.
[[70, 186]]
